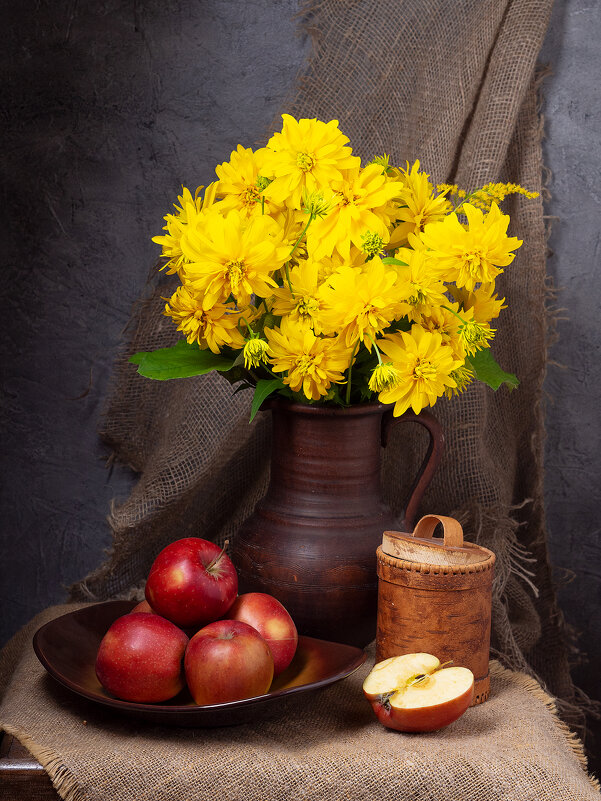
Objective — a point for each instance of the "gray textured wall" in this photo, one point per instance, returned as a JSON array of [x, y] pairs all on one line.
[[111, 106], [573, 453]]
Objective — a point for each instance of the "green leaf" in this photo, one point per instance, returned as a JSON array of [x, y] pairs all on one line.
[[392, 260], [265, 387], [489, 372], [180, 361]]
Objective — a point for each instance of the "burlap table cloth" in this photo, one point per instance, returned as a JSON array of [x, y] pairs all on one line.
[[325, 746]]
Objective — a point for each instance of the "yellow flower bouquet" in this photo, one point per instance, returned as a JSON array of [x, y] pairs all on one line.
[[306, 274]]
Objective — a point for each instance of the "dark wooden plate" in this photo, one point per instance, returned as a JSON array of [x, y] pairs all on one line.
[[67, 648]]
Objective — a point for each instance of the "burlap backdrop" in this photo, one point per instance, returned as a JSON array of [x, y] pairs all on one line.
[[454, 85]]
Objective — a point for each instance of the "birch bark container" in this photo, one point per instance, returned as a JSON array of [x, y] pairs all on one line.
[[434, 596]]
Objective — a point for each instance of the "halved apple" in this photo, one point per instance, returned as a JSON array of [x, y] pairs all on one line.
[[414, 692]]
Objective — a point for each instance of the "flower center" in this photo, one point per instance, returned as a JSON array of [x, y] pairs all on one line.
[[347, 197], [424, 370], [418, 297], [305, 364], [251, 196], [473, 263], [305, 161], [307, 307], [235, 271], [372, 243]]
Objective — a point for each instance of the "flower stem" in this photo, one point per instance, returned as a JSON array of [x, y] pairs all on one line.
[[303, 232], [249, 329], [373, 342], [287, 265], [455, 313]]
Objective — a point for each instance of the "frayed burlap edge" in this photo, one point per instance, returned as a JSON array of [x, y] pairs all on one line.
[[61, 777], [534, 688]]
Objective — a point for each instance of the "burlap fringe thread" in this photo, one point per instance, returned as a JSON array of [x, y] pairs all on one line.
[[61, 777], [66, 786], [534, 688]]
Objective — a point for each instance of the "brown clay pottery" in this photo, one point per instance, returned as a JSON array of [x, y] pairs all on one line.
[[312, 540]]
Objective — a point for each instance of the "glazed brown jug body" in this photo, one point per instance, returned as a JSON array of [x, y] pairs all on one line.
[[312, 540]]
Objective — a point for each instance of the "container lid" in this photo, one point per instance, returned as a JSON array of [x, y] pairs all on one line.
[[421, 546]]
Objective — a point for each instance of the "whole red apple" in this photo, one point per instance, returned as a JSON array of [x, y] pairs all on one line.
[[140, 658], [227, 661], [269, 617], [192, 582], [414, 692]]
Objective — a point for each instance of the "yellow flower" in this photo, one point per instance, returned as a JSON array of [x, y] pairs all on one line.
[[383, 163], [419, 205], [210, 328], [481, 301], [424, 365], [384, 376], [474, 336], [230, 255], [328, 265], [446, 322], [255, 352], [363, 204], [312, 363], [473, 254], [186, 213], [360, 304], [373, 244], [307, 155], [291, 223], [462, 377], [240, 183], [302, 305], [418, 284], [315, 204], [459, 329]]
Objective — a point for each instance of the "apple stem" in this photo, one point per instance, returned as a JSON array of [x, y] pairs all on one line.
[[214, 561]]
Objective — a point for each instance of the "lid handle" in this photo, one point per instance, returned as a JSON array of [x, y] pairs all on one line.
[[453, 532]]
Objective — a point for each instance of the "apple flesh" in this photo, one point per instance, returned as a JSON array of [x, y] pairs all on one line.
[[414, 692], [192, 582], [227, 661], [269, 617], [141, 658]]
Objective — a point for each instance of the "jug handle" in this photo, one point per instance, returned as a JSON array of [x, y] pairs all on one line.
[[430, 462]]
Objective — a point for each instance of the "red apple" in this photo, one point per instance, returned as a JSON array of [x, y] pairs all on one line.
[[267, 615], [144, 607], [192, 582], [147, 609], [414, 692], [227, 661], [140, 658]]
